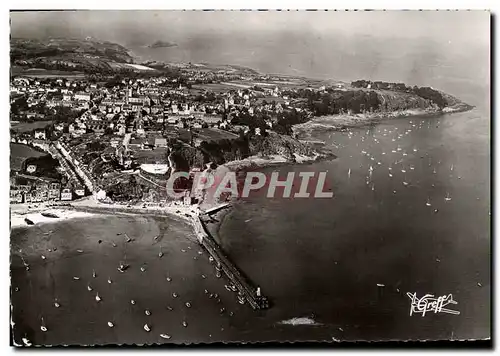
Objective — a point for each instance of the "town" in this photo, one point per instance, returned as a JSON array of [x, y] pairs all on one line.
[[122, 137]]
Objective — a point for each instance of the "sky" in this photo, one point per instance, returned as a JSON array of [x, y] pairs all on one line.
[[124, 26], [445, 49]]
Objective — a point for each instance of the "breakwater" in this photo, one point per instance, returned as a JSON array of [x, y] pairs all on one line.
[[244, 286]]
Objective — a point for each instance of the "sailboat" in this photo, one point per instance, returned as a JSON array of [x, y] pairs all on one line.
[[428, 203], [43, 327], [447, 197]]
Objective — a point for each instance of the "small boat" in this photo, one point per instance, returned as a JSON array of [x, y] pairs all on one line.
[[165, 336], [405, 184], [97, 298], [123, 267], [50, 215], [110, 324], [43, 327], [28, 221], [428, 203], [147, 312], [147, 328], [447, 197]]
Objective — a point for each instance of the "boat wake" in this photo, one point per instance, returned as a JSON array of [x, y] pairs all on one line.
[[300, 321]]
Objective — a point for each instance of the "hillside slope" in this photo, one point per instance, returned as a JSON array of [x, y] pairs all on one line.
[[87, 56]]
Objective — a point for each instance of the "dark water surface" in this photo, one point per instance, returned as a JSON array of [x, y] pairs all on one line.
[[323, 258], [80, 319], [314, 258]]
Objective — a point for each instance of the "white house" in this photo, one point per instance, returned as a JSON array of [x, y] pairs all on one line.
[[40, 134]]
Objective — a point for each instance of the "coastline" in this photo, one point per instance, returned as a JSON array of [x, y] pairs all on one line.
[[345, 121], [330, 122]]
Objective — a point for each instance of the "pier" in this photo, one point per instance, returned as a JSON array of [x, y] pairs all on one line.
[[244, 286]]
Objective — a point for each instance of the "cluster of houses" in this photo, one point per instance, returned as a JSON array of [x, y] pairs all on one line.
[[142, 112], [31, 189]]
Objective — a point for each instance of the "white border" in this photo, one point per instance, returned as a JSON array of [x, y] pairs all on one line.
[[184, 4]]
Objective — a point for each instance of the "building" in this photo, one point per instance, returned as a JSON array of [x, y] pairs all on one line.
[[16, 196], [66, 194], [31, 168], [80, 191], [55, 191], [82, 96], [40, 134]]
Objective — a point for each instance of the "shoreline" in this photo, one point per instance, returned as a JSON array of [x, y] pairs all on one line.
[[350, 121], [344, 121]]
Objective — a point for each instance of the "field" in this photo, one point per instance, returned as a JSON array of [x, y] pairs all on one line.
[[158, 155], [215, 135], [29, 126], [44, 73], [222, 87], [270, 99], [18, 153]]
